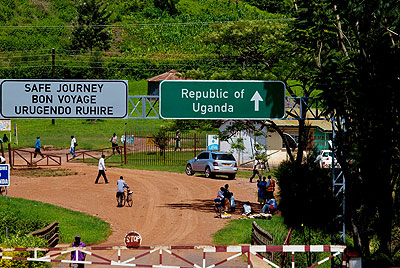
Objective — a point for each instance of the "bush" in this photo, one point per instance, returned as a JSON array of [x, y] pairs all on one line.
[[22, 241], [11, 221]]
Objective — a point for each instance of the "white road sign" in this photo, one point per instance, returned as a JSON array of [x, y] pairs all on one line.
[[64, 98]]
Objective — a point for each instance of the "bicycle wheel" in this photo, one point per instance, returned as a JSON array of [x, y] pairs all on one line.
[[129, 200], [218, 209]]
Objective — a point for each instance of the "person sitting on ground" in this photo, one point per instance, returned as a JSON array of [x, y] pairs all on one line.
[[121, 184], [220, 197], [227, 197], [246, 209], [270, 206]]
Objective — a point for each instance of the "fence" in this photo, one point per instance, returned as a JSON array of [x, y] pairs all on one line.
[[93, 156], [163, 149], [30, 159], [179, 256], [50, 233], [261, 237]]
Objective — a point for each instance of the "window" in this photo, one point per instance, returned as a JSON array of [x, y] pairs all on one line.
[[223, 157], [203, 156]]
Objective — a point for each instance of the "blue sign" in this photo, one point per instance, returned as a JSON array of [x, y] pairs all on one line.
[[5, 175], [213, 147]]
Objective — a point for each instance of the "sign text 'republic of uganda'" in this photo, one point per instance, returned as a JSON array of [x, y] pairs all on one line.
[[222, 99]]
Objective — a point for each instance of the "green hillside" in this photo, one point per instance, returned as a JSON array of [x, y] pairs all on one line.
[[148, 37]]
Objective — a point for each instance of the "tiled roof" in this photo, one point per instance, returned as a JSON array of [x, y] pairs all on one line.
[[170, 75]]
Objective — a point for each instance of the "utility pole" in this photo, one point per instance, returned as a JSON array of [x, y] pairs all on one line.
[[53, 72]]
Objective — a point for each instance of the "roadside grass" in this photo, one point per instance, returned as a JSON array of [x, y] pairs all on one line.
[[90, 134], [91, 229], [156, 164], [239, 231], [43, 172]]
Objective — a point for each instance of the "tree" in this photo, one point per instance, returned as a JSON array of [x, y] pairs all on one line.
[[359, 74], [167, 5], [90, 30]]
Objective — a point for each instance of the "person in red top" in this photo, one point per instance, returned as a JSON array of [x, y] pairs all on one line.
[[270, 188]]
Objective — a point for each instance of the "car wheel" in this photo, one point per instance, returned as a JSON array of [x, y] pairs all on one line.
[[231, 176], [208, 172], [189, 170]]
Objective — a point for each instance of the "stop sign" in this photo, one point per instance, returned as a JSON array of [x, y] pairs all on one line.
[[133, 239]]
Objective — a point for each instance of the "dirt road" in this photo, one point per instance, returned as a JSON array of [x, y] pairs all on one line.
[[169, 208]]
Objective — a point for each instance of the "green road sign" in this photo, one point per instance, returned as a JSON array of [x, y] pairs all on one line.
[[222, 99]]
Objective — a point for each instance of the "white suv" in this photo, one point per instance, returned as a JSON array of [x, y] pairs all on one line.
[[212, 163], [324, 159]]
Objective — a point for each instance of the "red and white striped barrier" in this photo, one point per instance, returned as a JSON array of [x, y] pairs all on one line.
[[239, 250]]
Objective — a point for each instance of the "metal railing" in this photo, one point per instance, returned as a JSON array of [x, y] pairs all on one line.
[[128, 260], [49, 233]]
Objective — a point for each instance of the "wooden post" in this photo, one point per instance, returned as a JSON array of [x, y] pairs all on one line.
[[125, 160], [9, 156], [2, 150], [195, 141]]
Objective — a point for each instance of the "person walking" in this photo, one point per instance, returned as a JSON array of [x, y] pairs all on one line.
[[80, 256], [37, 148], [73, 144], [114, 143], [270, 188], [102, 169], [256, 171], [121, 184]]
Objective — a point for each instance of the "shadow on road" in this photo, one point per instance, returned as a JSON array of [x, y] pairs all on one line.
[[208, 206]]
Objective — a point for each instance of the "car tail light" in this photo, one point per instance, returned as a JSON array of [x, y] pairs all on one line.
[[215, 164]]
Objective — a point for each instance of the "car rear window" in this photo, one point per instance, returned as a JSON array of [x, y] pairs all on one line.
[[223, 157]]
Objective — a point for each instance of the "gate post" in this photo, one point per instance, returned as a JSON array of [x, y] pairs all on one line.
[[9, 156], [2, 150], [125, 149], [164, 145], [195, 140]]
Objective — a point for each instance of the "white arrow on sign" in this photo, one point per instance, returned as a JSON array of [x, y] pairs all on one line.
[[256, 98]]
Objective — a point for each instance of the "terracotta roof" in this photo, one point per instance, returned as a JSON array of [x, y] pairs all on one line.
[[170, 75]]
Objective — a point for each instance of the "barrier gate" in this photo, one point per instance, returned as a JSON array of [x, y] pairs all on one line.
[[51, 254]]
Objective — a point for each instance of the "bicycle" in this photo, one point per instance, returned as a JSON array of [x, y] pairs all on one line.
[[218, 207], [127, 199]]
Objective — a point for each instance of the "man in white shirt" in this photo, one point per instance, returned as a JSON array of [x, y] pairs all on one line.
[[72, 148], [102, 169]]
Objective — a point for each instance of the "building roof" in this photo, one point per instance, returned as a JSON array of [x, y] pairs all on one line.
[[324, 125], [170, 75]]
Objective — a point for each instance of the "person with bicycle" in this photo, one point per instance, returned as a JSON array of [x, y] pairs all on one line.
[[121, 184]]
